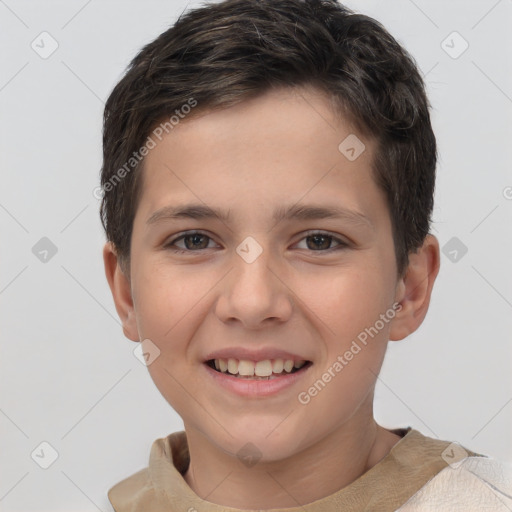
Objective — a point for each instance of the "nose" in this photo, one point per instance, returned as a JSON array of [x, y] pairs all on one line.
[[254, 294]]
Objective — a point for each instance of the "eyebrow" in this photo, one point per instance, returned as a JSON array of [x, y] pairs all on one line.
[[299, 212], [189, 211]]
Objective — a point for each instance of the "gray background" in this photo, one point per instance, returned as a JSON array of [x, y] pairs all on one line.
[[68, 375]]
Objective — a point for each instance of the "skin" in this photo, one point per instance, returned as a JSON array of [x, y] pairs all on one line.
[[275, 150]]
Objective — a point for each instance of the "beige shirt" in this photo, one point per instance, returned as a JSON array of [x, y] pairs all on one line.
[[409, 466]]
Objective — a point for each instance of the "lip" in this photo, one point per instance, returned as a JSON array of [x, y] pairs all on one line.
[[253, 355], [255, 388]]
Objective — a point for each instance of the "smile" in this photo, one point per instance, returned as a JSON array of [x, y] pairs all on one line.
[[266, 369]]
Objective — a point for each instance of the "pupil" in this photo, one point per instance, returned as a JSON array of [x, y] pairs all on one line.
[[195, 240], [317, 239]]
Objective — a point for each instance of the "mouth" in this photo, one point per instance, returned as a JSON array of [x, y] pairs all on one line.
[[267, 369]]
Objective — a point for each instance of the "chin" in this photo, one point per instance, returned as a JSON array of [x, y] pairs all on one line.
[[260, 441]]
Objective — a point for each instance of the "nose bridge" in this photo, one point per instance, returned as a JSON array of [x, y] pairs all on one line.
[[253, 271], [253, 293]]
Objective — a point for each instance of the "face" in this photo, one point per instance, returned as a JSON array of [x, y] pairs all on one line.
[[258, 240]]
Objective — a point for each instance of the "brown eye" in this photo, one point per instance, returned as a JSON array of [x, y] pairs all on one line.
[[190, 242], [196, 241], [319, 242]]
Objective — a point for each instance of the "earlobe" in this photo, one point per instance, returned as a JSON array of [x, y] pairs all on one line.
[[121, 292], [415, 289]]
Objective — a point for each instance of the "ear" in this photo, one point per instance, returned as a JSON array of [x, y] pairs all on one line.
[[121, 292], [415, 288]]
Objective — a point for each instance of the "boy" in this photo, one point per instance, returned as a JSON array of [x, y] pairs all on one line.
[[269, 170]]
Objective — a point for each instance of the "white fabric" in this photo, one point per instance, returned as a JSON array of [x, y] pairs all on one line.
[[474, 484]]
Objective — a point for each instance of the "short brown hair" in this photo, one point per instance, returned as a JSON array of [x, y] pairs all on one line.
[[224, 53]]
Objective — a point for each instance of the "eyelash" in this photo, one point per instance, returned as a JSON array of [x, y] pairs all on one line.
[[341, 243]]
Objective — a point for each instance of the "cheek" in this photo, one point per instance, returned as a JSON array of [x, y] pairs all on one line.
[[177, 385], [347, 300], [164, 296]]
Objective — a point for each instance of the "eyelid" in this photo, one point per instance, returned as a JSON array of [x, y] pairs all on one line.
[[340, 241], [169, 244]]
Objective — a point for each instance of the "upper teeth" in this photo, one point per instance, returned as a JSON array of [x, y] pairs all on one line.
[[263, 368]]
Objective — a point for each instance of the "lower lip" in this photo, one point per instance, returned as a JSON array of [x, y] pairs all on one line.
[[255, 388]]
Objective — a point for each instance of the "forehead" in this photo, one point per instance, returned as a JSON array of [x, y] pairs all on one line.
[[285, 146]]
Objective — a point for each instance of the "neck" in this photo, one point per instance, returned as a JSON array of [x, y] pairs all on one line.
[[314, 473]]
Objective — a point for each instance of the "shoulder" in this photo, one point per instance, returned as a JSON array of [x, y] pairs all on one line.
[[146, 490], [137, 493], [473, 484], [128, 491]]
